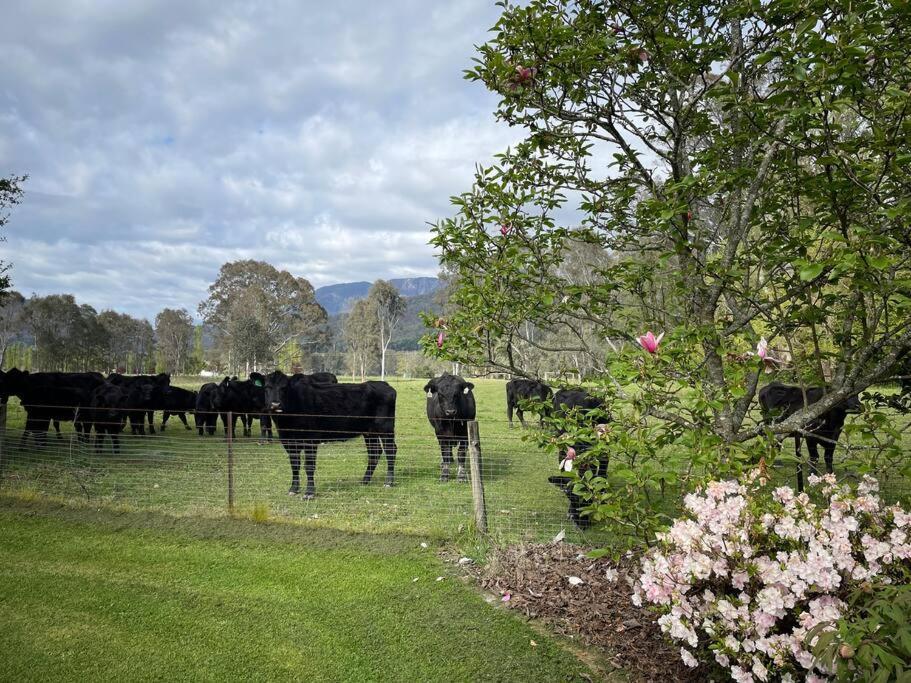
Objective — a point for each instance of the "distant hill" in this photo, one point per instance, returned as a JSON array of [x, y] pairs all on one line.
[[341, 297]]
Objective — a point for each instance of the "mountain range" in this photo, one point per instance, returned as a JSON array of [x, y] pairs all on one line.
[[417, 291], [340, 298]]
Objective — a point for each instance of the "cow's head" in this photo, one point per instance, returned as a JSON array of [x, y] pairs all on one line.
[[277, 385], [13, 382], [448, 391], [852, 404]]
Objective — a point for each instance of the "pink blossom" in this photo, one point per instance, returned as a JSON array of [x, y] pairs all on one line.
[[507, 596], [440, 337], [505, 229], [688, 658], [810, 554], [650, 342]]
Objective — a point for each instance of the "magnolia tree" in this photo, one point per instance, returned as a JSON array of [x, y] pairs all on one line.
[[738, 171]]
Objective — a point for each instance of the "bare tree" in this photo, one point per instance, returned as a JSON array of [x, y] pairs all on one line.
[[174, 332], [389, 306]]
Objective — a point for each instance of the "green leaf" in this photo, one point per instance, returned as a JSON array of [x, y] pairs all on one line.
[[811, 271]]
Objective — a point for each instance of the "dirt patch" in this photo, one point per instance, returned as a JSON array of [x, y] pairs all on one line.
[[590, 608]]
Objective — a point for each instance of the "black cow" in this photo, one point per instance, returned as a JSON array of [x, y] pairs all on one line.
[[308, 413], [565, 402], [206, 414], [450, 405], [51, 397], [110, 408], [325, 377], [522, 390], [153, 387], [176, 401], [245, 399], [779, 401]]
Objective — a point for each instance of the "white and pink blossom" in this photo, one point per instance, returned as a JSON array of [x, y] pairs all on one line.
[[747, 573]]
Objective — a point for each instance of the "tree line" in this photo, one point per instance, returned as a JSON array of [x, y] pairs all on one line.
[[255, 316], [56, 333]]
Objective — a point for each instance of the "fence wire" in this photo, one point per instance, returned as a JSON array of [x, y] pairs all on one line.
[[178, 471]]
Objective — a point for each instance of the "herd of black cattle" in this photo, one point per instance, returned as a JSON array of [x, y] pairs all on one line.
[[307, 410]]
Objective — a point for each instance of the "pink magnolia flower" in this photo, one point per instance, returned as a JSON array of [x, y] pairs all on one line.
[[650, 342], [567, 462], [440, 337], [762, 348], [505, 229], [525, 73], [507, 596]]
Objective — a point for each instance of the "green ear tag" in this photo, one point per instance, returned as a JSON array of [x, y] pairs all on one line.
[[258, 382]]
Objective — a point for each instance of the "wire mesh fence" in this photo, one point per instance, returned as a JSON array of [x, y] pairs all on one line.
[[179, 471]]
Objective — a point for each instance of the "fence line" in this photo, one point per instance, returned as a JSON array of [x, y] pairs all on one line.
[[179, 472]]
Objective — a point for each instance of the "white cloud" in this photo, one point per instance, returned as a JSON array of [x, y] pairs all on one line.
[[162, 142]]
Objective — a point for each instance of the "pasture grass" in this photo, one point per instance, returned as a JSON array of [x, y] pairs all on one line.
[[101, 595], [182, 473]]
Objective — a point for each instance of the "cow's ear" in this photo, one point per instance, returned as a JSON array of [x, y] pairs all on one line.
[[429, 388], [225, 381], [468, 387]]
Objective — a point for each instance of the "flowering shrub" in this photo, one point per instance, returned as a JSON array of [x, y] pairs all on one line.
[[752, 576]]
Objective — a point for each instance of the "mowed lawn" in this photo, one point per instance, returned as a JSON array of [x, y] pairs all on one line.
[[101, 595]]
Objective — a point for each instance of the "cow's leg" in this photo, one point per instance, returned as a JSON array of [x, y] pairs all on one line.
[[310, 468], [99, 440], [294, 457], [248, 424], [373, 456], [446, 454], [211, 424], [265, 427], [183, 418], [463, 449], [115, 443], [57, 428], [509, 413], [41, 433], [799, 462], [151, 422], [391, 450], [164, 420], [829, 454], [812, 447], [25, 432], [521, 417]]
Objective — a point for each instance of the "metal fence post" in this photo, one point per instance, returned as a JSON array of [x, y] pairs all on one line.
[[229, 431], [2, 438], [477, 484]]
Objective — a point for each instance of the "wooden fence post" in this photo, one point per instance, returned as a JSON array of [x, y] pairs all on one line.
[[477, 483], [229, 431]]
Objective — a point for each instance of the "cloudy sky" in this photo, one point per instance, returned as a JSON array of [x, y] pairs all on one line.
[[163, 139]]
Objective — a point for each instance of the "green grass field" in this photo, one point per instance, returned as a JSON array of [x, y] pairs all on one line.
[[101, 595]]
